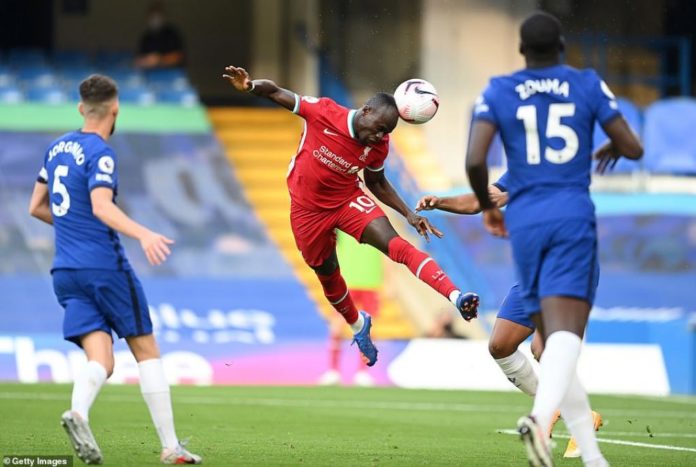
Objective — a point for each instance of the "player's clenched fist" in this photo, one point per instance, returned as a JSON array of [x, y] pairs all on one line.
[[155, 247], [238, 77]]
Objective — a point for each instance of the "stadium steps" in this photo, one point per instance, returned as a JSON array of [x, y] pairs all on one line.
[[259, 144], [410, 142]]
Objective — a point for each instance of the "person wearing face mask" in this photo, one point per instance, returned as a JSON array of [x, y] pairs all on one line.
[[161, 45]]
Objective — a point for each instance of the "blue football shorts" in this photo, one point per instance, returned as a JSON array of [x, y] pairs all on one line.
[[556, 259], [101, 300], [513, 310]]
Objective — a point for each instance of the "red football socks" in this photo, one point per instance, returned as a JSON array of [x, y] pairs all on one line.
[[336, 292], [421, 265]]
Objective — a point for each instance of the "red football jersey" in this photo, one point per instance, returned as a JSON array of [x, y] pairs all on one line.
[[324, 173]]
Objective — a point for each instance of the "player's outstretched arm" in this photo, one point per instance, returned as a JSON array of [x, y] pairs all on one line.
[[378, 184], [153, 244], [239, 78], [622, 142], [461, 204], [39, 205]]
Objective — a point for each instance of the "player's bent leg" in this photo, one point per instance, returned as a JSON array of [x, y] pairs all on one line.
[[381, 234], [503, 347], [155, 390], [506, 337]]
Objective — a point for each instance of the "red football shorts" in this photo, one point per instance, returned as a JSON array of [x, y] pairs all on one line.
[[314, 231]]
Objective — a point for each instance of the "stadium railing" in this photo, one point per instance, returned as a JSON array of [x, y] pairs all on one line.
[[596, 52]]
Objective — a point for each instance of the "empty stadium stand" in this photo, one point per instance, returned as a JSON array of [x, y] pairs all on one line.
[[668, 136], [32, 75]]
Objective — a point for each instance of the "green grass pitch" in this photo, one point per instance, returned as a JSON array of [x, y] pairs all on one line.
[[340, 426]]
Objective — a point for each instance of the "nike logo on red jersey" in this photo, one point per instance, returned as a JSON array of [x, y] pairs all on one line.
[[329, 132]]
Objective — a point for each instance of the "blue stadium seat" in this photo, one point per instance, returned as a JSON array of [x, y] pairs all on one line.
[[51, 95], [37, 75], [73, 76], [668, 136], [633, 116], [125, 77], [138, 95], [110, 59], [65, 59], [10, 94], [7, 77], [23, 57], [167, 78], [72, 92], [184, 97]]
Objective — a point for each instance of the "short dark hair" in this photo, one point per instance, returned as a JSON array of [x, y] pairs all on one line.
[[382, 99], [541, 34], [97, 89]]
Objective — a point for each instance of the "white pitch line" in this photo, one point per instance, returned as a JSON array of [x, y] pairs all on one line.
[[667, 447], [349, 404], [646, 434], [688, 400], [301, 403]]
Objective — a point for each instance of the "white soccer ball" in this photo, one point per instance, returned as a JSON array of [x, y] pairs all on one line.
[[417, 100]]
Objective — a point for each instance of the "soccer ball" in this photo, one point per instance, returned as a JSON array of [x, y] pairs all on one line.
[[417, 100]]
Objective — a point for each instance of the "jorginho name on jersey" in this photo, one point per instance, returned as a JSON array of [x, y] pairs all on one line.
[[74, 165], [546, 117]]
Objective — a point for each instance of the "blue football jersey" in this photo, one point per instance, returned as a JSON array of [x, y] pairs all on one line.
[[502, 182], [545, 117], [74, 165]]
